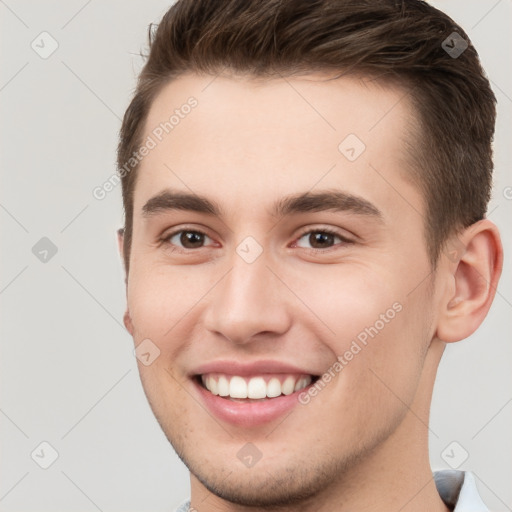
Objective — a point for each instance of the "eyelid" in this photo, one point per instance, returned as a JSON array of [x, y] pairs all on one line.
[[326, 229]]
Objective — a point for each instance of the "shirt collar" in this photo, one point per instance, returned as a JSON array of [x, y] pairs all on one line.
[[458, 491]]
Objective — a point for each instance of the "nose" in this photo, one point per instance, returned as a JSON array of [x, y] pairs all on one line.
[[248, 303]]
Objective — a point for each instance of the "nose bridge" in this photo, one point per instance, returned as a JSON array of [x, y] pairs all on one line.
[[247, 301]]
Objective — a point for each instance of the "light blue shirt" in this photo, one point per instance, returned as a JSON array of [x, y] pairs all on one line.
[[456, 488]]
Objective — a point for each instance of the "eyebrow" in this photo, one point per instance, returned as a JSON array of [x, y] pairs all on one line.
[[325, 200]]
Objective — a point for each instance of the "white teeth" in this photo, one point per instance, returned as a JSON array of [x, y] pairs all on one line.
[[273, 388], [302, 383], [255, 387], [237, 388], [214, 387], [222, 386], [288, 386]]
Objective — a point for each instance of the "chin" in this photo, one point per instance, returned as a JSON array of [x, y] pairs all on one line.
[[263, 487]]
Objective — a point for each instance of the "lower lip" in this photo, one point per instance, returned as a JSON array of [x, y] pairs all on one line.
[[249, 414]]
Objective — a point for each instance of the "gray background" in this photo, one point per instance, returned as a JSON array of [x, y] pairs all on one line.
[[68, 374]]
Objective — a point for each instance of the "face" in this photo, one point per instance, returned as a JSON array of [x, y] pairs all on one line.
[[278, 251]]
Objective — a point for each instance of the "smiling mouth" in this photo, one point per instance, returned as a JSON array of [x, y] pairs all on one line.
[[257, 388]]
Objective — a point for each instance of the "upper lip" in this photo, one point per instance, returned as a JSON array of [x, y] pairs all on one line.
[[253, 368]]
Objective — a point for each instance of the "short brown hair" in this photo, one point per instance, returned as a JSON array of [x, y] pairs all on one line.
[[405, 42]]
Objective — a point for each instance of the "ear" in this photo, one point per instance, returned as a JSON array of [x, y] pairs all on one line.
[[127, 320], [120, 247], [476, 260]]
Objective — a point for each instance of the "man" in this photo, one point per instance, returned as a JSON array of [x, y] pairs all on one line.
[[304, 233]]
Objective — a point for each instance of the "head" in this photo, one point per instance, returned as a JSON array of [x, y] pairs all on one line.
[[346, 119]]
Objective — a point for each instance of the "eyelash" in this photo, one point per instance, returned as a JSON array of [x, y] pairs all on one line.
[[344, 240], [328, 231]]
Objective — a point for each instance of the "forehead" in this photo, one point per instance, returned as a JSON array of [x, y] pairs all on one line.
[[241, 140]]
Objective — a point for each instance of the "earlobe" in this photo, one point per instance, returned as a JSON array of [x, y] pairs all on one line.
[[473, 280]]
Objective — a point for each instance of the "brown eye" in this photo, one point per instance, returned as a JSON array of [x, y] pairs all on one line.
[[187, 239], [322, 239]]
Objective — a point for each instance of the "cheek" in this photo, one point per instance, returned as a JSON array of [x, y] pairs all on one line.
[[158, 301], [375, 380], [353, 303], [378, 336], [368, 303]]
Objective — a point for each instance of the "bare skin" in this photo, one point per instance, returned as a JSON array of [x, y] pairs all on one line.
[[361, 442]]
